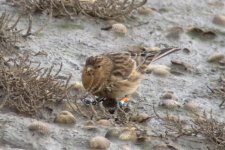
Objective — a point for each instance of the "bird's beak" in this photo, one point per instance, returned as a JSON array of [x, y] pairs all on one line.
[[89, 70]]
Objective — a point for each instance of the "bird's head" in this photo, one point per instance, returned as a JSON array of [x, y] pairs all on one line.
[[97, 65]]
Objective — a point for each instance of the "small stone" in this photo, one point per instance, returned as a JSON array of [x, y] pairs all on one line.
[[39, 127], [181, 65], [90, 125], [99, 142], [140, 117], [219, 20], [216, 57], [168, 95], [65, 117], [119, 28], [113, 133], [145, 11], [222, 62], [191, 106], [128, 135], [170, 104], [104, 122], [158, 70]]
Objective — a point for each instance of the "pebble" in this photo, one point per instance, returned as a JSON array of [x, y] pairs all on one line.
[[119, 28], [140, 117], [216, 57], [99, 142], [158, 70], [191, 106], [219, 20], [170, 104], [65, 117], [128, 135], [104, 122], [39, 127], [145, 11], [90, 125]]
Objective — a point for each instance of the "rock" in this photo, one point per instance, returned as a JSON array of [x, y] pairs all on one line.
[[191, 106], [104, 123], [170, 104], [65, 117], [119, 28], [145, 11], [113, 133], [39, 127], [219, 20], [181, 65], [168, 95], [222, 62], [90, 125], [99, 142], [128, 135], [158, 70], [140, 117], [216, 57]]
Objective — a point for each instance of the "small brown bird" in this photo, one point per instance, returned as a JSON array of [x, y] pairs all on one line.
[[118, 75]]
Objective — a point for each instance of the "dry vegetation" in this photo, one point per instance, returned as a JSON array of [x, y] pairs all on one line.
[[220, 89], [24, 87], [8, 33], [104, 9], [28, 89], [204, 125]]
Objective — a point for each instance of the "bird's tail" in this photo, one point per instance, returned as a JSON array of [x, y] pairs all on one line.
[[152, 56]]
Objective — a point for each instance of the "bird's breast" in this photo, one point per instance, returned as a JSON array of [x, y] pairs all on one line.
[[119, 88]]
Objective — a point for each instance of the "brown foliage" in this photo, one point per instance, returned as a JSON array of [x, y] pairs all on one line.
[[28, 89], [104, 9]]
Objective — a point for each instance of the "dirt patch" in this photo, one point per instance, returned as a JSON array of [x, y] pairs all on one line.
[[70, 42]]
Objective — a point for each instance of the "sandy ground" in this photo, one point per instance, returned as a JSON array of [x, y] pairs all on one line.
[[71, 42]]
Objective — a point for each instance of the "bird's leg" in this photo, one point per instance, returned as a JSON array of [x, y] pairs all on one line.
[[119, 106], [100, 99], [123, 101]]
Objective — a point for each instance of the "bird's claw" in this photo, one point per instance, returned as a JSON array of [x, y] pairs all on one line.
[[94, 102]]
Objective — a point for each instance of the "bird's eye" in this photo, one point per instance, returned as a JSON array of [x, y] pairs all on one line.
[[98, 66]]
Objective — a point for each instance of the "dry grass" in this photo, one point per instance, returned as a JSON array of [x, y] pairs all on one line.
[[204, 125], [210, 128], [28, 89], [8, 33], [104, 9]]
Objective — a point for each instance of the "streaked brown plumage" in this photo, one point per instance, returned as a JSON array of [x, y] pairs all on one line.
[[116, 75]]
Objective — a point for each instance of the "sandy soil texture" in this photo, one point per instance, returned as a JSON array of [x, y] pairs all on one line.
[[71, 41]]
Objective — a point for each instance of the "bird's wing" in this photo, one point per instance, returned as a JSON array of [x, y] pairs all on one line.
[[145, 58], [126, 63], [123, 64]]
